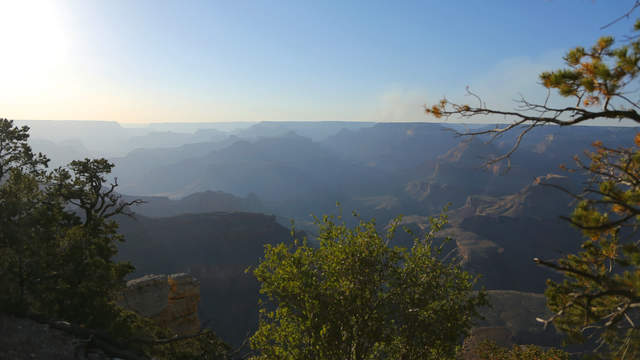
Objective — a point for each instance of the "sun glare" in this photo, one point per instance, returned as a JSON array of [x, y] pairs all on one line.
[[33, 42]]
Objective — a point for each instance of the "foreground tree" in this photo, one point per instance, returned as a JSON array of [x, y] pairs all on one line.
[[56, 262], [30, 218], [491, 351], [58, 240], [355, 297], [600, 80], [600, 297]]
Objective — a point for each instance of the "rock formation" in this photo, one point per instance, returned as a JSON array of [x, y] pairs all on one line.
[[171, 301]]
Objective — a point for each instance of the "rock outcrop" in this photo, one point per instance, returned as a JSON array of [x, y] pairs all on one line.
[[217, 248], [171, 301], [25, 339]]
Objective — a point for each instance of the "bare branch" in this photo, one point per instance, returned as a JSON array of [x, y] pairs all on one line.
[[624, 16]]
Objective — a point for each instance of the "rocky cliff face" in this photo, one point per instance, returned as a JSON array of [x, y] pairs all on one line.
[[216, 248], [510, 320], [171, 301]]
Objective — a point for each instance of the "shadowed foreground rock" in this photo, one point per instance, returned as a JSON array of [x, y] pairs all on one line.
[[26, 339], [171, 301]]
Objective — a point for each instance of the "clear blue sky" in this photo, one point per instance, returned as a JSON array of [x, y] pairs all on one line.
[[142, 61]]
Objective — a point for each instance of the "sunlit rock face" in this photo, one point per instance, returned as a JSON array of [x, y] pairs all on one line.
[[147, 296], [171, 301], [181, 313]]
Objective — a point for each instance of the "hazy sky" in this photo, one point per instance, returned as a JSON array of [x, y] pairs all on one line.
[[148, 61]]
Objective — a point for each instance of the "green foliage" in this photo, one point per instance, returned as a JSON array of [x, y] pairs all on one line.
[[491, 351], [599, 78], [597, 75], [206, 346], [15, 152], [355, 297], [143, 336], [600, 295], [31, 218], [54, 262], [57, 244]]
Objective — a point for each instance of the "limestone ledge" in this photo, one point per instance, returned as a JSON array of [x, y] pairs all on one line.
[[171, 301]]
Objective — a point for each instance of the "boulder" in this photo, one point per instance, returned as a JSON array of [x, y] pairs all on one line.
[[147, 296]]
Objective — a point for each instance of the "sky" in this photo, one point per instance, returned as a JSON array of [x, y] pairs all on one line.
[[140, 61]]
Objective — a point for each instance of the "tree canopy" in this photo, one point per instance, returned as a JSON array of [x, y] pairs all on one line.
[[491, 351], [58, 240], [599, 299], [57, 258], [355, 297], [599, 79]]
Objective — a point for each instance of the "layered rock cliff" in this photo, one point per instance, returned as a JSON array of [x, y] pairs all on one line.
[[216, 248], [171, 301]]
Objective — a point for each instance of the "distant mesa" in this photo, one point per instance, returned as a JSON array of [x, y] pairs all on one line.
[[197, 203]]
